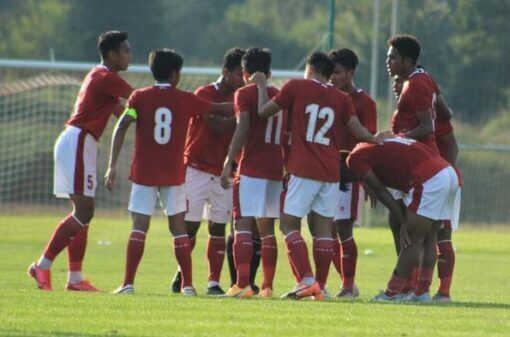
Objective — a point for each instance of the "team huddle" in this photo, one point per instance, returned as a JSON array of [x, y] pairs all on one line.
[[244, 152]]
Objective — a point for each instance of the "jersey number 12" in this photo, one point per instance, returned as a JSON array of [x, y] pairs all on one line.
[[325, 113]]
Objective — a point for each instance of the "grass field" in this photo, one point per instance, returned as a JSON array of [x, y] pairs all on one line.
[[481, 291]]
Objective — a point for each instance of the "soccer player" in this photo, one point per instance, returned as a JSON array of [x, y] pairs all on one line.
[[414, 117], [316, 113], [448, 149], [205, 151], [258, 181], [350, 200], [162, 114], [429, 185], [100, 96]]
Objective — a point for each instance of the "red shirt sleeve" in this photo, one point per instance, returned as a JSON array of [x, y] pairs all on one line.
[[420, 96], [198, 106], [348, 111], [202, 92], [442, 128], [132, 100], [241, 102], [114, 86], [285, 97]]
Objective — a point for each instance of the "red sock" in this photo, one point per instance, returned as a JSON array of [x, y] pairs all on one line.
[[192, 242], [395, 285], [445, 265], [182, 250], [424, 281], [76, 249], [62, 235], [337, 256], [293, 269], [349, 259], [298, 253], [134, 253], [243, 251], [323, 251], [412, 280], [215, 255], [269, 254]]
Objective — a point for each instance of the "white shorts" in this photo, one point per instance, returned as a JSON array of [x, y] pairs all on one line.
[[304, 195], [396, 194], [202, 189], [257, 197], [435, 198], [143, 199], [453, 224], [75, 156], [350, 203]]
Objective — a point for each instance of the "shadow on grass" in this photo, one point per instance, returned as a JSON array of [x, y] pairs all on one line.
[[21, 333]]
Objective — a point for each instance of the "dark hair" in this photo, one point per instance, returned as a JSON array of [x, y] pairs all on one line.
[[322, 64], [406, 45], [163, 62], [109, 41], [232, 58], [346, 57], [257, 59]]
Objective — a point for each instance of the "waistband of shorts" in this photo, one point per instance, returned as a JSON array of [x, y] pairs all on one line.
[[76, 130]]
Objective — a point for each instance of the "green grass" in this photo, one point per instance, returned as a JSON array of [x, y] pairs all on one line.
[[480, 290]]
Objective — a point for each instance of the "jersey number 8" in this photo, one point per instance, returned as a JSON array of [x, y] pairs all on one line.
[[162, 129]]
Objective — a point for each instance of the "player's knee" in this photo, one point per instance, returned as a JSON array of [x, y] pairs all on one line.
[[216, 229], [444, 234], [192, 228]]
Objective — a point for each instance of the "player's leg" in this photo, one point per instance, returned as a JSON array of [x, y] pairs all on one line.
[[74, 176], [323, 247], [418, 228], [445, 262], [427, 263], [230, 254], [142, 202], [269, 254]]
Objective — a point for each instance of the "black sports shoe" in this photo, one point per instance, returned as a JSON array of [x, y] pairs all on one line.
[[215, 291], [176, 283], [255, 289]]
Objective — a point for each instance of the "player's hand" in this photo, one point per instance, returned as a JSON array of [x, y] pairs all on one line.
[[370, 195], [109, 178], [259, 79], [225, 176], [405, 240], [382, 135]]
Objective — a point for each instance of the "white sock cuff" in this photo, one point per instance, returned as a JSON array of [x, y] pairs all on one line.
[[286, 236]]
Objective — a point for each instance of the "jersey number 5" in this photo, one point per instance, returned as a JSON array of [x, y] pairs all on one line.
[[325, 113], [162, 129]]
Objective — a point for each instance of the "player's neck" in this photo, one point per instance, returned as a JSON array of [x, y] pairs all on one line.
[[225, 90], [319, 78], [110, 66], [409, 72], [350, 88]]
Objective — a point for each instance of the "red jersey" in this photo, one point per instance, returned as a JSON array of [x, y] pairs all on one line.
[[364, 107], [205, 149], [316, 113], [162, 118], [98, 96], [399, 163], [442, 128], [261, 156], [418, 94]]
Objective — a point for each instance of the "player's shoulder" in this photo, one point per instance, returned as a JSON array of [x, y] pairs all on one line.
[[249, 89], [210, 88]]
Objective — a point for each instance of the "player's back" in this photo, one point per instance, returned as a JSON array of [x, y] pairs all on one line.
[[400, 163], [97, 98], [163, 114], [261, 155], [316, 115]]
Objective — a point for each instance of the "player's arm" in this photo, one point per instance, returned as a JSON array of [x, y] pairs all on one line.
[[452, 149], [443, 110], [425, 128], [118, 136], [238, 140], [218, 124], [386, 198], [360, 133], [266, 108]]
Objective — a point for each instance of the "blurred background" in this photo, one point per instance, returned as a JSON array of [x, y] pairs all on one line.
[[47, 46]]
